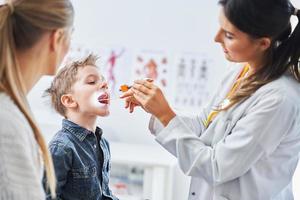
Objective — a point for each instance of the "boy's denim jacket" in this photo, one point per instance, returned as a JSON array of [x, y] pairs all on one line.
[[77, 163]]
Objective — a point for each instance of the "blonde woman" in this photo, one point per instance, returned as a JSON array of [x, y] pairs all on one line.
[[34, 38]]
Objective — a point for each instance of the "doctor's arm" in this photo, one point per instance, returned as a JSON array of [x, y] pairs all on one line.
[[151, 98], [257, 133]]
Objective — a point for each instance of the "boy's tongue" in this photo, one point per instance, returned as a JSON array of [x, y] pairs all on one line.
[[104, 98]]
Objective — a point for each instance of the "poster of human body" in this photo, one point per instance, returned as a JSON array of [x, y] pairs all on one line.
[[113, 63], [115, 68], [154, 65]]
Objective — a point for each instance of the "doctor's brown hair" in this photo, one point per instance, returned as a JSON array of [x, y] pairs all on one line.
[[267, 18]]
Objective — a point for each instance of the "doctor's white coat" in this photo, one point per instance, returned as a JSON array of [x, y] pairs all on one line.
[[249, 152]]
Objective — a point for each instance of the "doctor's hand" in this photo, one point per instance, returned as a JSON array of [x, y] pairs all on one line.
[[146, 94], [130, 101]]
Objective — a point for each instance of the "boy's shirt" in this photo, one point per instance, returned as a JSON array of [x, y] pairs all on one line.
[[80, 165]]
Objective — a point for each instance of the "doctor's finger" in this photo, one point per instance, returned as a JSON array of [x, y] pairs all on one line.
[[148, 83], [127, 103], [131, 99], [132, 106], [140, 97], [129, 93], [139, 94], [140, 88]]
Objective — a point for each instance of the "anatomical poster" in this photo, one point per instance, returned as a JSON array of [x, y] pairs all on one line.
[[154, 65]]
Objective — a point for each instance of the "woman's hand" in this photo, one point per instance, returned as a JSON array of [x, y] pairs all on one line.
[[150, 97]]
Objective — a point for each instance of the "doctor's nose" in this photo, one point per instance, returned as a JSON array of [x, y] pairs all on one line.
[[218, 38]]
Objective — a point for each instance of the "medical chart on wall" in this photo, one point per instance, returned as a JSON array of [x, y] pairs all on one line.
[[190, 80], [154, 65], [113, 64]]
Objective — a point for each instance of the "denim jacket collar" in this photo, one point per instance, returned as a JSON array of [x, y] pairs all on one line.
[[80, 132]]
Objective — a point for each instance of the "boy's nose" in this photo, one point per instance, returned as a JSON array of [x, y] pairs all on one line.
[[103, 85]]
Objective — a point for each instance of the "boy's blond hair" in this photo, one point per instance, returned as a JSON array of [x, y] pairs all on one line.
[[64, 80]]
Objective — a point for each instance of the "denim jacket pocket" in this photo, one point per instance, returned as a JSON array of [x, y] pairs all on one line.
[[85, 172], [85, 182]]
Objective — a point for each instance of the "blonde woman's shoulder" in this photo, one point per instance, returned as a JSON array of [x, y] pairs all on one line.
[[19, 174], [12, 119]]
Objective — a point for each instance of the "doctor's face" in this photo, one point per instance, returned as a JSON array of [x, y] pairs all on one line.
[[237, 45]]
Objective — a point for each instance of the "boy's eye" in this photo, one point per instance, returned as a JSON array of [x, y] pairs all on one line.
[[91, 82]]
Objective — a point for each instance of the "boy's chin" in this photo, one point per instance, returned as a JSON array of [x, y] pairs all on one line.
[[103, 113]]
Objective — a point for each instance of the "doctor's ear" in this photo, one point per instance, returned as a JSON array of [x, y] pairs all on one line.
[[68, 101], [264, 43]]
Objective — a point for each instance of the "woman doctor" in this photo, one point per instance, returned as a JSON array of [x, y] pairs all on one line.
[[244, 145]]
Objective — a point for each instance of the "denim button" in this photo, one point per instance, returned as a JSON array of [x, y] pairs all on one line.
[[95, 146]]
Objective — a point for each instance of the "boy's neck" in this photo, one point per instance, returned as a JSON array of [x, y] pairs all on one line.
[[85, 121]]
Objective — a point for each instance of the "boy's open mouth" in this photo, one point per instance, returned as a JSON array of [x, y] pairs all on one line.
[[104, 98]]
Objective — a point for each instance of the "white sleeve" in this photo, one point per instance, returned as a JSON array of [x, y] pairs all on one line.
[[195, 123], [19, 177], [257, 133]]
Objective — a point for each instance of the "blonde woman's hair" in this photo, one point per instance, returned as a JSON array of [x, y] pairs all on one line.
[[65, 79], [22, 24]]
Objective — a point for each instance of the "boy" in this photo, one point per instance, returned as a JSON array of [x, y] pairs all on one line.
[[81, 156]]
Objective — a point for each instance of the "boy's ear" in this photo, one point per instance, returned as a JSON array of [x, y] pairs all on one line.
[[68, 101]]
